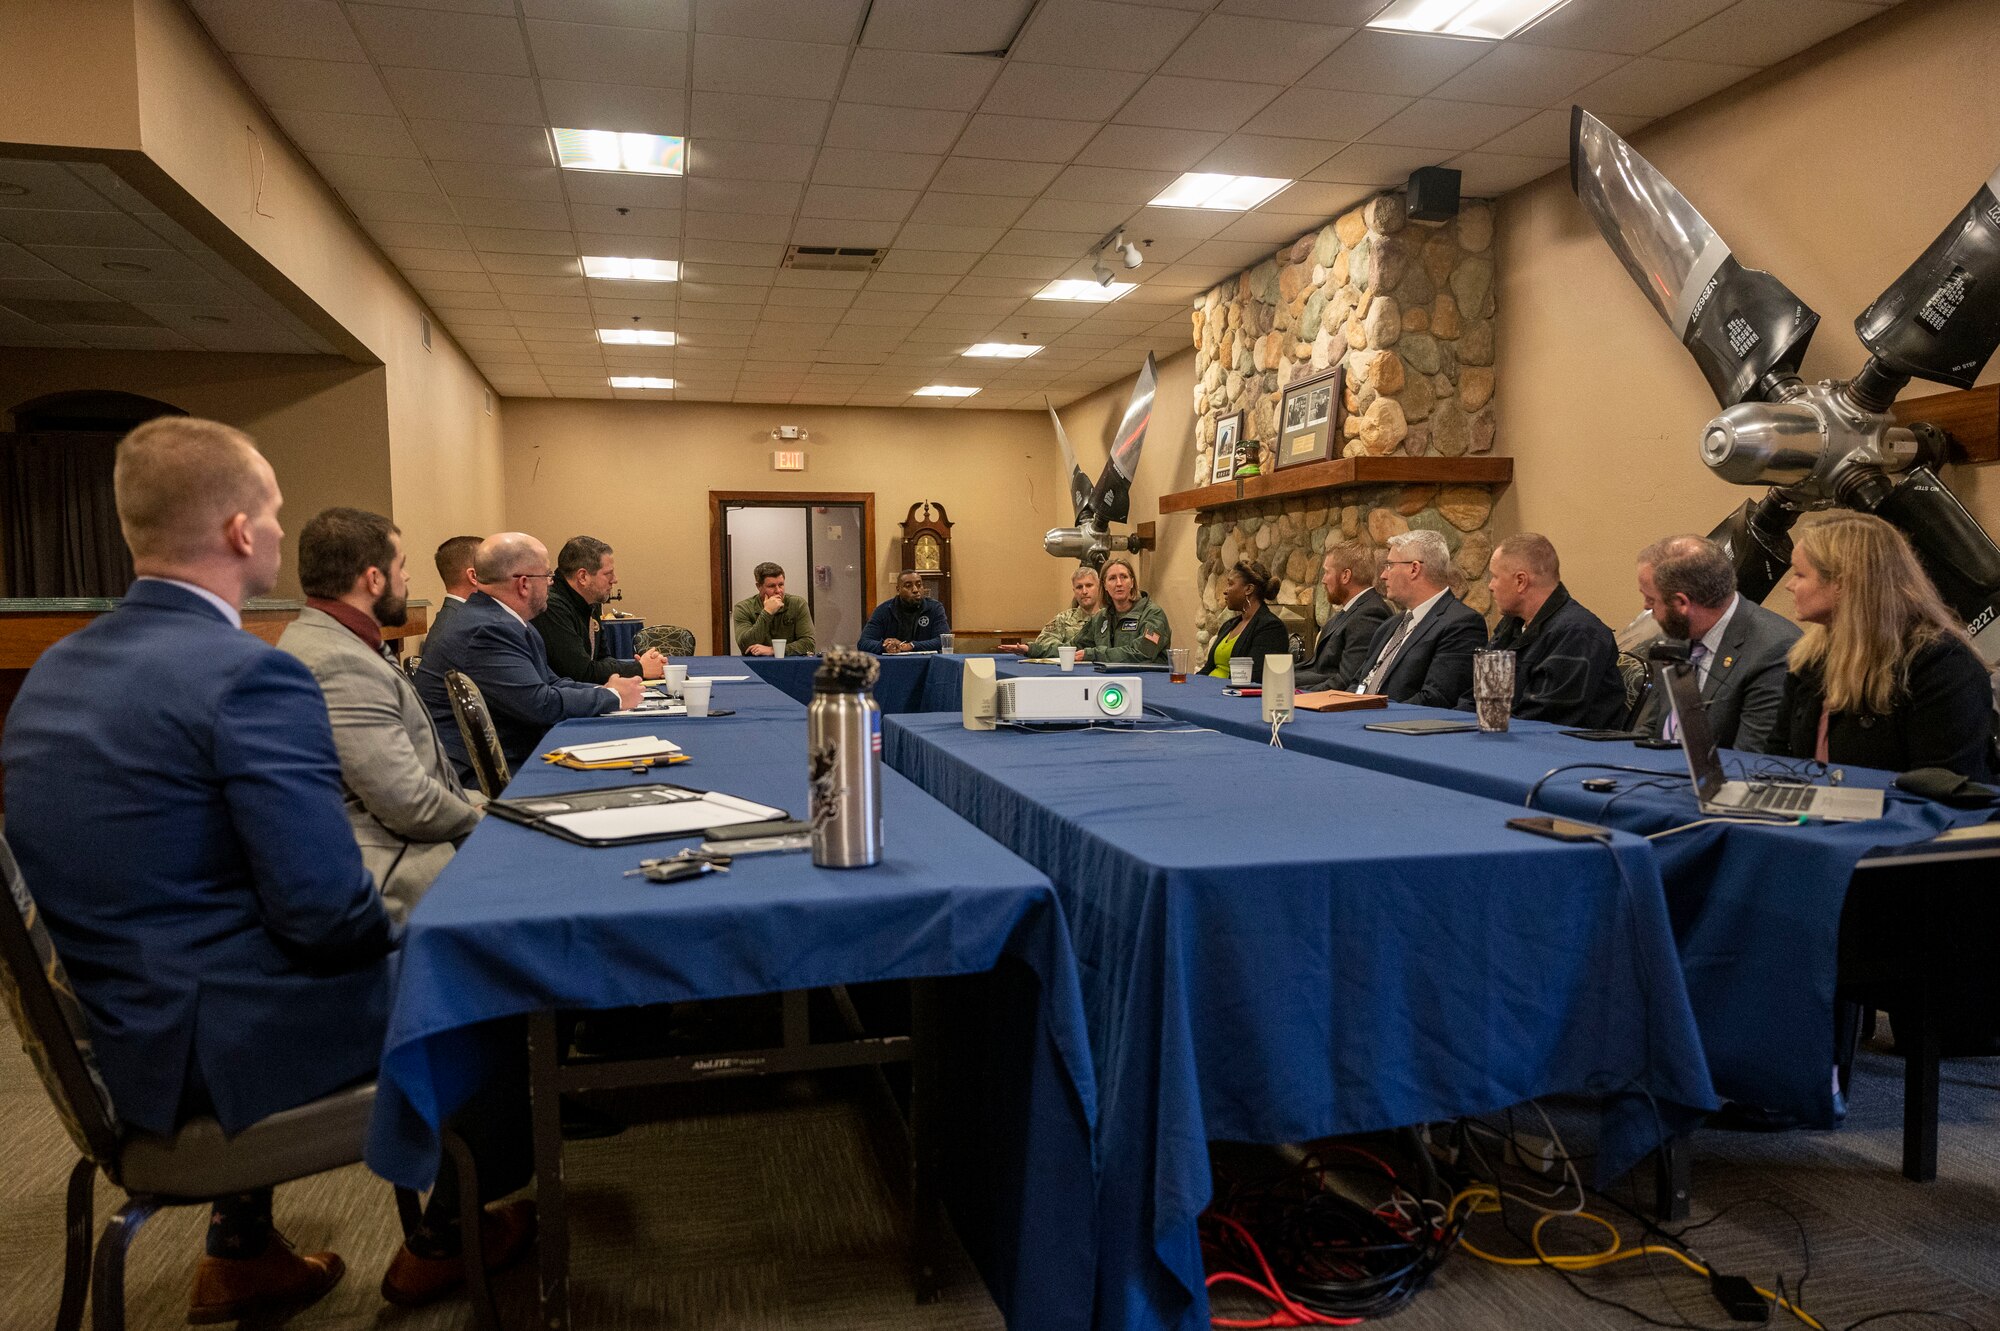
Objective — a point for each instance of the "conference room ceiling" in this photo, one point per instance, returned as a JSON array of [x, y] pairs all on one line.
[[87, 262], [983, 177]]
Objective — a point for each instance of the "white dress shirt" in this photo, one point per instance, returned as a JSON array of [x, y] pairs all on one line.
[[1712, 640], [229, 611]]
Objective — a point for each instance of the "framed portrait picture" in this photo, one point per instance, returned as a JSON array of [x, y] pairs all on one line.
[[1309, 419], [1228, 431]]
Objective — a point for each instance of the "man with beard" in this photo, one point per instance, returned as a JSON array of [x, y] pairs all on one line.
[[1737, 647], [406, 805]]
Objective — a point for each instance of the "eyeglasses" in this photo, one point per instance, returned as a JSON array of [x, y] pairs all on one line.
[[1391, 563], [545, 577]]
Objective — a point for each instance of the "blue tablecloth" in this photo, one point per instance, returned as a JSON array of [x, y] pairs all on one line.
[[521, 921], [899, 689], [1756, 907], [621, 636], [1276, 948]]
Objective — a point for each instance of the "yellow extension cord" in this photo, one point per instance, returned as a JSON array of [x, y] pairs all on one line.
[[1485, 1200]]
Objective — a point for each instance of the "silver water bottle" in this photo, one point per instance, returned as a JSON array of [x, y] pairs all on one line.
[[844, 761]]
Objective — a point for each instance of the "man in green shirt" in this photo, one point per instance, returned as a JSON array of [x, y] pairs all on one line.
[[769, 614]]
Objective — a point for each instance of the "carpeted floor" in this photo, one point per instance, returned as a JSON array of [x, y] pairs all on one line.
[[770, 1212]]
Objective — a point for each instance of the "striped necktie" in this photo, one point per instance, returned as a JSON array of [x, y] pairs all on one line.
[[1372, 681]]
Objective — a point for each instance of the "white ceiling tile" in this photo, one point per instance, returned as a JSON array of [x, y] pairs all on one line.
[[1196, 104], [316, 85], [629, 247], [1107, 184], [1528, 75], [593, 53], [1264, 155], [1375, 164], [1405, 64], [1434, 123], [507, 240], [1487, 175], [347, 171], [436, 94], [934, 237], [837, 22], [1271, 228], [618, 13], [485, 180], [968, 209], [744, 196], [384, 206], [624, 189], [712, 158], [878, 170], [1022, 138], [1335, 117], [1059, 92], [448, 260], [368, 136], [1764, 32], [1188, 223], [902, 260], [579, 324], [722, 251], [737, 226], [984, 175], [1546, 134], [758, 119], [305, 29], [1065, 245], [1234, 46], [935, 284], [600, 219], [1014, 290], [1021, 266], [1313, 198], [414, 37], [519, 214], [894, 128], [1619, 26], [425, 235], [806, 277], [917, 79], [1303, 11], [865, 205], [1090, 34], [459, 284], [752, 66], [1049, 214], [465, 141], [632, 107], [1237, 253], [1649, 87], [819, 298], [563, 304]]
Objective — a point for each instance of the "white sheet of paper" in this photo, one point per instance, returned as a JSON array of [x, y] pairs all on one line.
[[663, 819], [721, 679], [613, 750]]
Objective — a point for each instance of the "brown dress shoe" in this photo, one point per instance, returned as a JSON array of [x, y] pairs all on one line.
[[504, 1235], [277, 1283]]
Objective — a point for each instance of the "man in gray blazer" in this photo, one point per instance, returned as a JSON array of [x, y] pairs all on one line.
[[1736, 646], [404, 802], [1356, 610]]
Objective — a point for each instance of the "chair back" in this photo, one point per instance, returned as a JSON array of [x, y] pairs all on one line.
[[475, 727], [410, 664], [53, 1030], [667, 639], [1638, 678]]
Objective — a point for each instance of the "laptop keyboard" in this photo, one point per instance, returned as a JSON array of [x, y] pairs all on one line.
[[1779, 799]]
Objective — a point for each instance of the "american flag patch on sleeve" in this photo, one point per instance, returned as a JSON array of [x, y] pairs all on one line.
[[1152, 637]]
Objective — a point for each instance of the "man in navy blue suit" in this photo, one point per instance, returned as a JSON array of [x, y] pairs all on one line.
[[489, 641], [1424, 654], [187, 845]]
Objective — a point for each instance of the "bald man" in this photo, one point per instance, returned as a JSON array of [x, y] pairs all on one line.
[[1565, 659], [490, 642]]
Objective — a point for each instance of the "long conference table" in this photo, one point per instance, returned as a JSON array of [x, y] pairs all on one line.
[[1228, 943]]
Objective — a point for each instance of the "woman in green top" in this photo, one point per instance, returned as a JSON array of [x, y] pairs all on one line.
[[1256, 633], [1129, 627], [1066, 627]]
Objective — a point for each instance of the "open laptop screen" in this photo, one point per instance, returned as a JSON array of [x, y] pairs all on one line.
[[1697, 740]]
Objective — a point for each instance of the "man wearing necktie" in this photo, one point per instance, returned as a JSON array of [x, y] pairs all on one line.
[[1737, 648], [1424, 654]]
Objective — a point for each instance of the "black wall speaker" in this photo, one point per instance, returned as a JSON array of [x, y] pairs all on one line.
[[1433, 194]]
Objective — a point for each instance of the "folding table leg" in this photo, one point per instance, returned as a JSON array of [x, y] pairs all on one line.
[[1673, 1179], [1920, 1087], [926, 1103], [551, 1203], [76, 1253]]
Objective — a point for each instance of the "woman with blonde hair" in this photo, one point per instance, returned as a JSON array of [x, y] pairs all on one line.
[[1885, 676], [1129, 627]]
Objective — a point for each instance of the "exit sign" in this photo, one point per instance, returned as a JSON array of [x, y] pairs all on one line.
[[788, 459]]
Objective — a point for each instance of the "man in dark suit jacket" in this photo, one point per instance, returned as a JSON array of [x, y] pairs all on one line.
[[453, 560], [1565, 659], [187, 846], [490, 642], [1424, 654], [586, 575], [1348, 573], [1738, 648]]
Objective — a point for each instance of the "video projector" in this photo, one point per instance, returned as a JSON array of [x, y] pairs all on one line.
[[1075, 699]]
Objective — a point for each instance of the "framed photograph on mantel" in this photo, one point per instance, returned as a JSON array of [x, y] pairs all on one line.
[[1223, 465], [1309, 419]]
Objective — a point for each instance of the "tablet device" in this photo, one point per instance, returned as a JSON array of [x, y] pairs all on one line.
[[1427, 725]]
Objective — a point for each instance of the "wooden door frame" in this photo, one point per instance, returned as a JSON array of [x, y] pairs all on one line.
[[718, 610]]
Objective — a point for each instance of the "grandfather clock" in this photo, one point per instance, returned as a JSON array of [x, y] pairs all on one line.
[[927, 549]]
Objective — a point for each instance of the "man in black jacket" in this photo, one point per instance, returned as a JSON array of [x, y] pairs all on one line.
[[1423, 655], [1565, 659], [586, 575], [1356, 610], [1737, 647]]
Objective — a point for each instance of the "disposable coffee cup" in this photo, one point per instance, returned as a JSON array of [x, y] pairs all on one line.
[[944, 643], [778, 648], [676, 677], [1067, 656], [695, 692], [1239, 671], [1493, 689]]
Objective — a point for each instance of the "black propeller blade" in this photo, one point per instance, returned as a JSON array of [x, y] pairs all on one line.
[[1941, 319]]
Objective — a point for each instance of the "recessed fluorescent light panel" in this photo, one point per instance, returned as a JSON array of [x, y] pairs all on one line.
[[610, 150], [1003, 350], [631, 270], [1228, 194], [634, 337], [639, 381], [1490, 19], [944, 390], [1082, 288]]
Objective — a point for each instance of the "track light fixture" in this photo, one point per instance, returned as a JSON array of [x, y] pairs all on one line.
[[1127, 250], [1098, 271]]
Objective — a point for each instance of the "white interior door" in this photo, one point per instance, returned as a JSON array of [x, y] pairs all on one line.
[[750, 537]]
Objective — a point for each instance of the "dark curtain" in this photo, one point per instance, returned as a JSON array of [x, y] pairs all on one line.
[[62, 536]]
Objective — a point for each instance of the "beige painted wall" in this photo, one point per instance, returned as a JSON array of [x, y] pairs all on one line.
[[1833, 171], [305, 412], [77, 47], [637, 474], [1167, 464]]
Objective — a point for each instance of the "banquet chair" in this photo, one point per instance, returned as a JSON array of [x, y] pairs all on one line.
[[475, 727]]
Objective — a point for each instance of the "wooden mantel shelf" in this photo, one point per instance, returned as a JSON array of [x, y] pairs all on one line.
[[1341, 474]]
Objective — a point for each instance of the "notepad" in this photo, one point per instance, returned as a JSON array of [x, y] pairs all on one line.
[[622, 750], [624, 814]]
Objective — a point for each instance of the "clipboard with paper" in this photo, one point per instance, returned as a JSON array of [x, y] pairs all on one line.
[[624, 815]]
